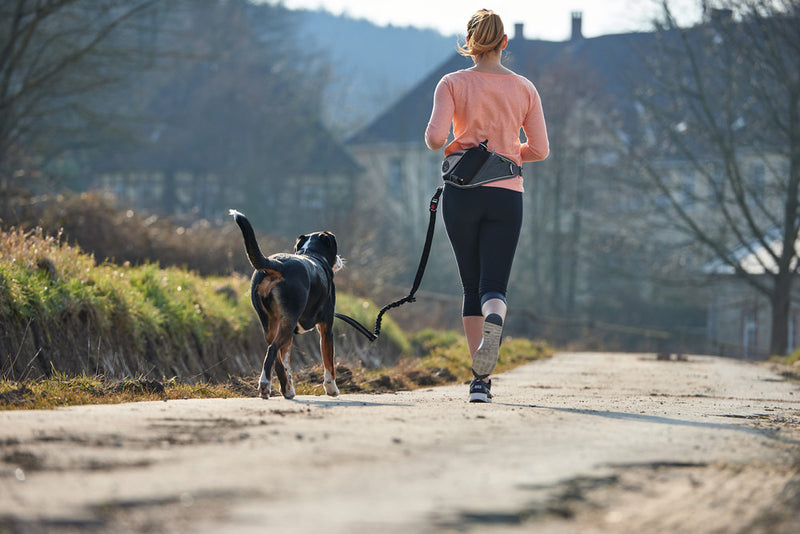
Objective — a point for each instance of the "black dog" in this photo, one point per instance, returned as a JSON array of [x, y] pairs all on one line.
[[293, 293]]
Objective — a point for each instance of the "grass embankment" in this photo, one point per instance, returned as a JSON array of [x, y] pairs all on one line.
[[75, 333], [789, 365], [63, 313], [791, 359], [445, 363]]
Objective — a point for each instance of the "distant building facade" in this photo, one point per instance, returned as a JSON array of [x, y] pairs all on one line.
[[314, 189], [739, 315]]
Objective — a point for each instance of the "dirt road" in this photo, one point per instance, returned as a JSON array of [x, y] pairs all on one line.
[[577, 443]]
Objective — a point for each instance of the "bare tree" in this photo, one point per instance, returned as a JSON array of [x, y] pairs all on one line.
[[722, 144], [55, 55], [557, 238]]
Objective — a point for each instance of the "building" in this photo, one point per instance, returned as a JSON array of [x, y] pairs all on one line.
[[318, 178], [595, 243], [739, 314]]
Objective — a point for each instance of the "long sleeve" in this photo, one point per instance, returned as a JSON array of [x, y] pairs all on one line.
[[537, 146], [491, 106], [441, 116]]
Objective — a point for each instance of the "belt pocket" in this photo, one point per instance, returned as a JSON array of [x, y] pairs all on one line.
[[475, 166], [463, 166]]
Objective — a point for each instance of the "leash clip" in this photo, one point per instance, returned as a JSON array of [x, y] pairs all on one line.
[[435, 199]]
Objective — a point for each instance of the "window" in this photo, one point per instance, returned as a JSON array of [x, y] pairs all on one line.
[[312, 196], [749, 333], [757, 179]]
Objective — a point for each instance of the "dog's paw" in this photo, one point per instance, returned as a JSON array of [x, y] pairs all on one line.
[[263, 390], [289, 393], [330, 388], [329, 383]]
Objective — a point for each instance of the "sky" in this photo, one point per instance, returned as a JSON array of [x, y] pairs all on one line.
[[542, 19]]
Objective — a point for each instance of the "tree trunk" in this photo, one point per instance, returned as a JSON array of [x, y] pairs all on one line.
[[556, 261], [781, 302], [782, 292]]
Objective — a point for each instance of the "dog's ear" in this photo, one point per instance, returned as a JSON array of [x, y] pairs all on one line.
[[332, 253], [301, 239], [331, 240]]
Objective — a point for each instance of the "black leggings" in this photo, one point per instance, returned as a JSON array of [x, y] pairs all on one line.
[[483, 224]]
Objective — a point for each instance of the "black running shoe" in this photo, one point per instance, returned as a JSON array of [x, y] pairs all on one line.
[[480, 389]]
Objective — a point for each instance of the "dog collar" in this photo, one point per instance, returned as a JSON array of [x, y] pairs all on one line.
[[311, 254]]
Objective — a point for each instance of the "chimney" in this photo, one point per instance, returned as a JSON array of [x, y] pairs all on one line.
[[577, 21], [718, 16], [518, 27]]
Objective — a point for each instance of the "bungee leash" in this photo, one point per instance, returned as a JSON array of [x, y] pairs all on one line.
[[426, 250]]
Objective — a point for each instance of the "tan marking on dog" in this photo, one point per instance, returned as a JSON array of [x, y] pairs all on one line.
[[327, 349], [274, 316], [270, 280]]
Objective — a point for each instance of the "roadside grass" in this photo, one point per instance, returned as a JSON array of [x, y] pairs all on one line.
[[63, 312], [138, 314], [791, 359], [789, 365], [78, 332], [444, 360], [60, 390], [365, 311]]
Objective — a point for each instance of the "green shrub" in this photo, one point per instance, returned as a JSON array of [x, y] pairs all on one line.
[[788, 360]]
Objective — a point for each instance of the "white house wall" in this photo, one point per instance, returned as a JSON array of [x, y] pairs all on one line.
[[418, 171], [740, 320]]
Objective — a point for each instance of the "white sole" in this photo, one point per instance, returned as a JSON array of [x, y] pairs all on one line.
[[485, 358], [479, 397]]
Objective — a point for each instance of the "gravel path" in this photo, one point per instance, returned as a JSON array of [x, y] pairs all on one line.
[[582, 442]]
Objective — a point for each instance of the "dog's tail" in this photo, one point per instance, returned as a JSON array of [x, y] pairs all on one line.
[[257, 259]]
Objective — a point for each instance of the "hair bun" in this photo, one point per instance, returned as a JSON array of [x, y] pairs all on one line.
[[484, 33]]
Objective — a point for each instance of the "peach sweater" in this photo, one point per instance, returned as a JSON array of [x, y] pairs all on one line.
[[489, 106]]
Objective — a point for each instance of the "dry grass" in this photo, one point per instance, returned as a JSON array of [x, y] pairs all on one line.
[[791, 359], [442, 359], [59, 390], [97, 223], [445, 363]]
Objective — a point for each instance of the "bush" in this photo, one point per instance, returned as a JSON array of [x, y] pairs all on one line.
[[788, 360], [95, 222], [390, 346]]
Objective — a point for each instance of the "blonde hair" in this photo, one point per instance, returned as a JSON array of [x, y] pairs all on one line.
[[484, 33]]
